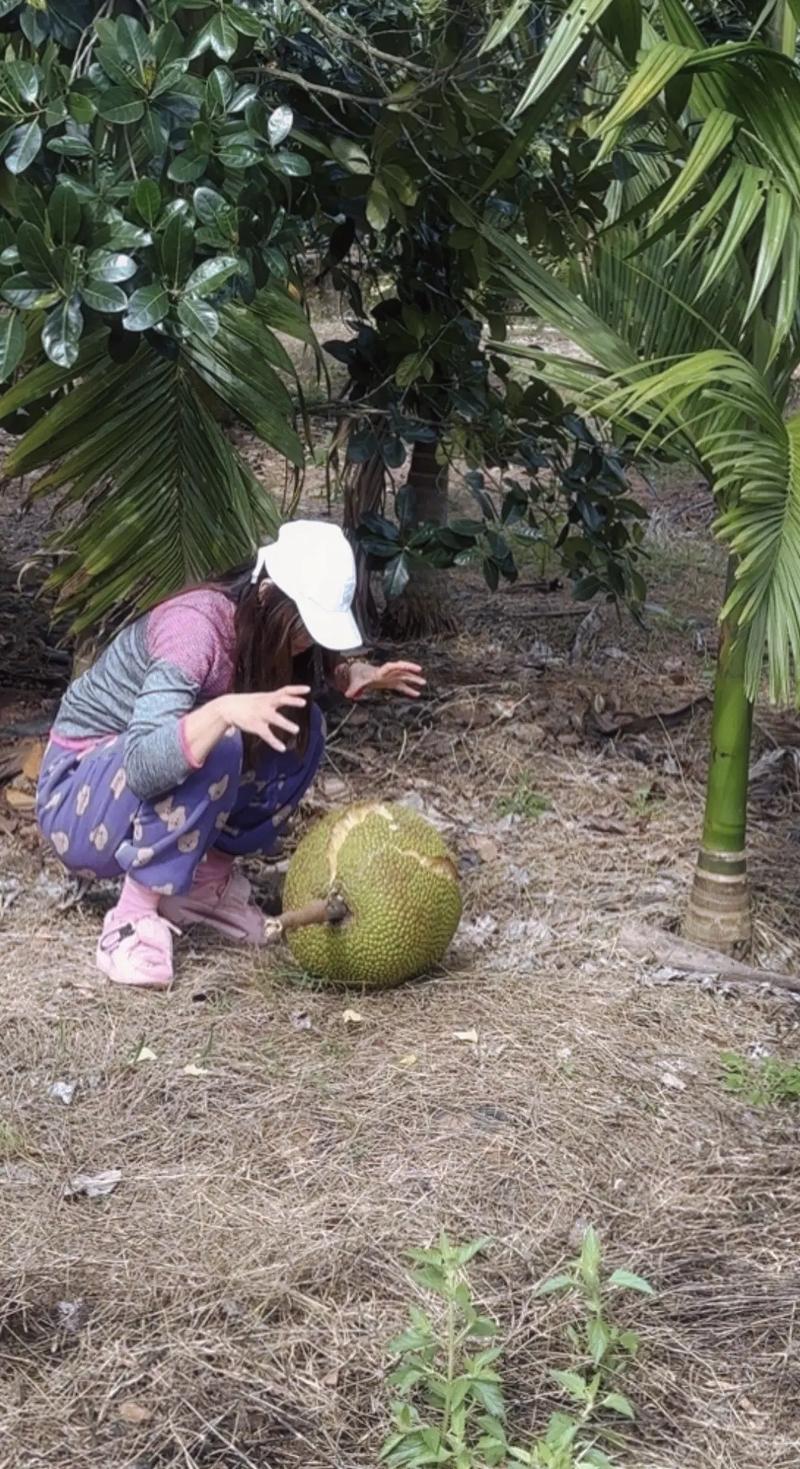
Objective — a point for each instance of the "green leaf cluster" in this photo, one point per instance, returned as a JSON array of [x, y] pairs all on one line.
[[450, 1409]]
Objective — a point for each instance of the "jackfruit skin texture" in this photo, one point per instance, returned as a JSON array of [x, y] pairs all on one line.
[[400, 883]]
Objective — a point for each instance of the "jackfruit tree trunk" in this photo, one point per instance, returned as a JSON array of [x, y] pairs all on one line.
[[719, 907], [423, 607], [363, 494]]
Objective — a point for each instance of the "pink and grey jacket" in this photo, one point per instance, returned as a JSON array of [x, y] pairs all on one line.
[[145, 683]]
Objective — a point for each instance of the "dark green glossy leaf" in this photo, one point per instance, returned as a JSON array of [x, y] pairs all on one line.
[[276, 262], [110, 266], [102, 296], [81, 107], [218, 36], [351, 155], [61, 334], [214, 238], [168, 44], [71, 146], [134, 46], [123, 235], [120, 105], [35, 254], [146, 308], [242, 97], [379, 208], [64, 213], [198, 317], [24, 146], [12, 343], [246, 23], [176, 248], [9, 256], [238, 156], [293, 165], [202, 138], [24, 79], [155, 132], [66, 267], [178, 205], [220, 87], [187, 167], [212, 275], [20, 290], [210, 207], [116, 70], [146, 200], [55, 113], [173, 78], [279, 125], [396, 576], [32, 23], [223, 39]]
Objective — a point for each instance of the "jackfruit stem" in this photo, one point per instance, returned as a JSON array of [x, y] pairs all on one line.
[[323, 910]]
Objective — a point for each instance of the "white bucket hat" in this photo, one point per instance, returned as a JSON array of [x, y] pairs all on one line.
[[313, 563]]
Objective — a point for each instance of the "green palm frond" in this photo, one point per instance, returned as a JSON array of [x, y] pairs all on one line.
[[658, 364], [730, 164], [753, 457], [154, 493]]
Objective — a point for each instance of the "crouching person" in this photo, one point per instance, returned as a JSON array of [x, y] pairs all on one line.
[[194, 737]]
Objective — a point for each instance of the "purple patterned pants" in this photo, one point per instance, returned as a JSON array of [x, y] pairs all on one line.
[[99, 828]]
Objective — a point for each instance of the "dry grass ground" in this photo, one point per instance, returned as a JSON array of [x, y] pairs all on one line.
[[229, 1303]]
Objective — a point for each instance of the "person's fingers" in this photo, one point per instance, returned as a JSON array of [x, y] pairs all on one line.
[[294, 688], [278, 721], [404, 667], [283, 702], [272, 740]]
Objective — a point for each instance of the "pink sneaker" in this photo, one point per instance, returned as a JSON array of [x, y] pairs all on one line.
[[224, 904], [138, 951]]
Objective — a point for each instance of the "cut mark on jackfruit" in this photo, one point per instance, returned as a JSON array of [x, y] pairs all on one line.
[[349, 822], [352, 819], [442, 865]]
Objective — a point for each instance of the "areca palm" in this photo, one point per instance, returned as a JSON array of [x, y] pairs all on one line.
[[685, 377], [687, 311]]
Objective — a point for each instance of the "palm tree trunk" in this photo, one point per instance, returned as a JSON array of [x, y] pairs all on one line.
[[423, 609], [719, 907]]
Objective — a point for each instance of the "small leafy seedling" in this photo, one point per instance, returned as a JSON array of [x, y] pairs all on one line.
[[760, 1083], [450, 1409], [524, 801], [647, 801], [603, 1351]]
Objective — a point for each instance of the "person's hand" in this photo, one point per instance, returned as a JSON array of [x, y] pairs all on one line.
[[259, 714], [398, 678]]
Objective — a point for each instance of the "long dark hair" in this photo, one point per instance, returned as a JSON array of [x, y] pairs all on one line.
[[266, 622]]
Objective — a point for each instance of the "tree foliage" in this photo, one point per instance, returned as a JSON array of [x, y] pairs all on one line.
[[145, 228], [162, 171]]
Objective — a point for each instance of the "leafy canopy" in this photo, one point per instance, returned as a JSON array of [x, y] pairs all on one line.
[[145, 233]]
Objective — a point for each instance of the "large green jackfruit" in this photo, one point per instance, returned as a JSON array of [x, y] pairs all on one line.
[[399, 883]]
